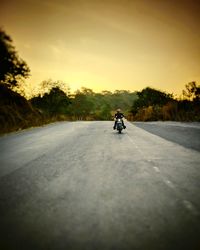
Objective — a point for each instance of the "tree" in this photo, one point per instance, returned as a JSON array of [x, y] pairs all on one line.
[[54, 103], [105, 112], [192, 91], [47, 85], [81, 106], [12, 67], [150, 97]]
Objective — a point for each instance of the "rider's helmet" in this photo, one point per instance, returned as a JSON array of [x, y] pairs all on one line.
[[118, 110]]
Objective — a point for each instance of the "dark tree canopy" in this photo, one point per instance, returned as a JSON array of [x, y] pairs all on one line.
[[12, 67], [149, 97], [53, 103], [192, 91]]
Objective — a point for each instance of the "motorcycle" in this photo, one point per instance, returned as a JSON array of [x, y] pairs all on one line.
[[119, 125]]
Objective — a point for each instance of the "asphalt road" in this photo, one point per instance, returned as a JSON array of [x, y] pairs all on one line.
[[185, 134], [80, 185]]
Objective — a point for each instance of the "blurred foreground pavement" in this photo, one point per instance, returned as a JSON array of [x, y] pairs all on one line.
[[80, 185]]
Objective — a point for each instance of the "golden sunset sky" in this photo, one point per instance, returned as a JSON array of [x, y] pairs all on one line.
[[107, 44]]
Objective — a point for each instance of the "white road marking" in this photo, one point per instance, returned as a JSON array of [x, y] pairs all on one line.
[[189, 206], [132, 141], [156, 169], [169, 183], [149, 160]]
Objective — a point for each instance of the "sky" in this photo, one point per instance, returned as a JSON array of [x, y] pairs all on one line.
[[107, 44]]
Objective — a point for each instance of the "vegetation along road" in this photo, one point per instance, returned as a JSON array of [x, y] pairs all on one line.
[[80, 185]]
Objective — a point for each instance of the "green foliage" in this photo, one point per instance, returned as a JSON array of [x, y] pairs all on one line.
[[12, 68], [120, 99], [81, 106], [104, 113], [53, 103], [87, 104], [16, 112], [150, 97], [153, 105]]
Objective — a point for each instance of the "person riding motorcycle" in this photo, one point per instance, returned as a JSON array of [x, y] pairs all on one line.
[[119, 115]]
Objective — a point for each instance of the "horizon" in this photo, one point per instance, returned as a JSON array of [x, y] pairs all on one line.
[[107, 45]]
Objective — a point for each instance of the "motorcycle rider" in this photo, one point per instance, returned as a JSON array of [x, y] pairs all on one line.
[[119, 115]]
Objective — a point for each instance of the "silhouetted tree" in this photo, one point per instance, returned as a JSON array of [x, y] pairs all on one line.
[[192, 91], [12, 67], [47, 85], [189, 107]]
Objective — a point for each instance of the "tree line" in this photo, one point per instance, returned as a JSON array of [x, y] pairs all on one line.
[[84, 104], [154, 105], [55, 102]]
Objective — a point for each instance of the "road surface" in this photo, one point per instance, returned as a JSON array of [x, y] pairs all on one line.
[[80, 185]]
